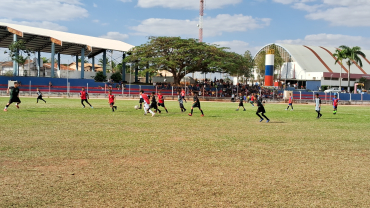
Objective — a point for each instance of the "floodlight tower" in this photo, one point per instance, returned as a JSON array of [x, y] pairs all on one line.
[[200, 25]]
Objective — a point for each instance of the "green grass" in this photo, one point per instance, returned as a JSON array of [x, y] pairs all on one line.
[[58, 154]]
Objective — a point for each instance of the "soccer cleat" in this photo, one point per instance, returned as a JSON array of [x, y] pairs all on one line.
[[115, 107], [286, 109], [17, 106], [261, 120], [244, 109], [291, 110], [144, 114], [153, 114], [190, 114], [83, 106], [91, 107], [202, 115], [237, 109], [5, 109], [268, 121]]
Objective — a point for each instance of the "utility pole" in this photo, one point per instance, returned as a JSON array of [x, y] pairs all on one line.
[[200, 25]]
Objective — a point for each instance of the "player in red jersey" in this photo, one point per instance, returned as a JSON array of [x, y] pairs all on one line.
[[183, 94], [290, 101], [84, 97], [252, 100], [146, 103], [335, 104], [161, 101], [111, 101]]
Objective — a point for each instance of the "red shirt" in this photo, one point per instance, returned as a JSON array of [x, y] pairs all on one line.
[[336, 101], [160, 99], [252, 98], [290, 99], [83, 95], [111, 98], [146, 99], [183, 93]]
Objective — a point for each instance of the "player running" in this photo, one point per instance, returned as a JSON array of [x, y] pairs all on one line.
[[196, 104], [84, 97], [154, 103], [290, 102], [39, 96], [241, 100], [261, 109], [335, 104], [14, 96], [111, 100], [181, 103], [141, 102], [318, 105], [161, 101], [146, 103]]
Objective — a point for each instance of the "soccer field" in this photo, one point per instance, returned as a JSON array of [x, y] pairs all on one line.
[[59, 154]]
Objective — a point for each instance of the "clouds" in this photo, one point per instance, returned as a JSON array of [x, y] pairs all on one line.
[[43, 24], [185, 4], [350, 13], [115, 36], [212, 26], [40, 10], [333, 40]]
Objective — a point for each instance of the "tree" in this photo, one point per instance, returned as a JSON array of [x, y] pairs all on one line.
[[100, 77], [85, 60], [178, 55], [19, 53], [352, 54], [116, 77], [45, 60], [259, 62], [339, 56], [242, 65]]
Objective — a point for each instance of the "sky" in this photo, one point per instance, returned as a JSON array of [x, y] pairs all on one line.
[[240, 25]]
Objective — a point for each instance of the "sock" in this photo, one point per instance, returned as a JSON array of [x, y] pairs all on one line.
[[191, 112], [6, 107], [202, 112], [16, 104], [292, 107], [287, 107], [113, 109], [259, 115], [166, 110], [265, 116]]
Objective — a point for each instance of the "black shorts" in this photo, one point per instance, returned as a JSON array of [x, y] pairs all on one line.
[[112, 103], [182, 97], [261, 110], [161, 104], [82, 100], [15, 100], [196, 105], [39, 97], [241, 104], [181, 105], [141, 100], [153, 105]]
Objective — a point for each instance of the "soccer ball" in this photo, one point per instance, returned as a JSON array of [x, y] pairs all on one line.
[[136, 107]]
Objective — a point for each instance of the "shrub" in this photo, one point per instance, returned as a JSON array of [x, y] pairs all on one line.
[[116, 77], [100, 77]]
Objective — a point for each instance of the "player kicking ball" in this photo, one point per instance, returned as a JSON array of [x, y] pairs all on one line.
[[84, 97], [181, 102], [39, 96], [241, 100], [112, 100], [260, 109], [196, 104], [14, 96], [154, 104], [146, 103], [161, 101]]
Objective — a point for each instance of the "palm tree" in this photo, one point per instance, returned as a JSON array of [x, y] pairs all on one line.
[[339, 55], [352, 54]]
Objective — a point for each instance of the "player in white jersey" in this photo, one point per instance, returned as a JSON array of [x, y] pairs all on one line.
[[318, 105]]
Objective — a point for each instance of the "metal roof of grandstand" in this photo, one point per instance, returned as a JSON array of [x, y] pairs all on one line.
[[39, 39], [319, 58]]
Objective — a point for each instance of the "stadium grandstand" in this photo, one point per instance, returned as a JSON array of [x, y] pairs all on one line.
[[313, 66]]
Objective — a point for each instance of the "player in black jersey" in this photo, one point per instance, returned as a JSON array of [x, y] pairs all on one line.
[[241, 101], [196, 104], [14, 96], [260, 109], [153, 103], [39, 96]]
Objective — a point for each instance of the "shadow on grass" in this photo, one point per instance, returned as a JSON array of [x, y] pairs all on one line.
[[277, 122], [331, 118]]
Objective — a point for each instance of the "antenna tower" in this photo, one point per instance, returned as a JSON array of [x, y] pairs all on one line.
[[201, 11]]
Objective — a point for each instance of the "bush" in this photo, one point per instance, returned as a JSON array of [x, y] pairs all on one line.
[[116, 77], [324, 87], [100, 77], [8, 73]]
